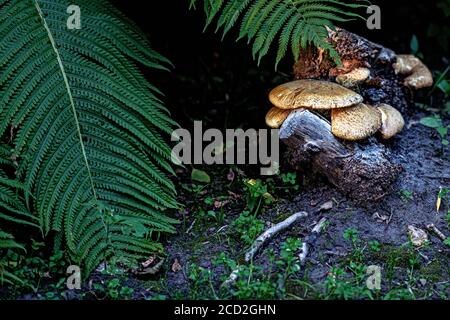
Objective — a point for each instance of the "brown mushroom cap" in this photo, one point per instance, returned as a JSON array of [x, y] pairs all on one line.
[[405, 63], [313, 94], [276, 116], [392, 121], [420, 78], [419, 75], [355, 123], [353, 77]]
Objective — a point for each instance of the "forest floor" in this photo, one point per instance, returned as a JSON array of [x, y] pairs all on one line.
[[222, 218], [219, 220]]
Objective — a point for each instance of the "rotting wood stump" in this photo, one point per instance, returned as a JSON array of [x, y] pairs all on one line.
[[364, 171]]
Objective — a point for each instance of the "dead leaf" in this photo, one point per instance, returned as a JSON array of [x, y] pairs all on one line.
[[220, 204], [418, 236], [380, 218], [176, 266], [151, 270], [326, 206], [234, 195], [148, 262]]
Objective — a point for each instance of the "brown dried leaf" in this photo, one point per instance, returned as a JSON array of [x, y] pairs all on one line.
[[148, 262], [176, 266]]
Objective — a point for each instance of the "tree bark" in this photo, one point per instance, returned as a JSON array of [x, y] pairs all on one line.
[[364, 172], [384, 86]]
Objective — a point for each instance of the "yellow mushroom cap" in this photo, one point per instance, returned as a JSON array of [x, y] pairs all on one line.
[[419, 75], [276, 116], [313, 94], [405, 63], [356, 122], [392, 121], [353, 77], [420, 78]]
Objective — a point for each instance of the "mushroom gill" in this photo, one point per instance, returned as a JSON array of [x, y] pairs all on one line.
[[276, 116]]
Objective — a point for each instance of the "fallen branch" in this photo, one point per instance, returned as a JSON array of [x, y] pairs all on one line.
[[261, 240], [232, 278], [271, 232], [433, 229], [310, 240]]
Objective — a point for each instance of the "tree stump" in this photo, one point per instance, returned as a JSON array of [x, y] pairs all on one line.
[[363, 172], [384, 86]]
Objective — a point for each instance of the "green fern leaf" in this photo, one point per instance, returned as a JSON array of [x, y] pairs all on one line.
[[298, 22], [90, 129]]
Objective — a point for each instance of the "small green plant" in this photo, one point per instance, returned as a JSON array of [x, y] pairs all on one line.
[[256, 282], [442, 83], [374, 246], [342, 285], [112, 289], [289, 261], [414, 46], [201, 285], [257, 194], [436, 123], [352, 235], [447, 242], [247, 227], [406, 195], [399, 294]]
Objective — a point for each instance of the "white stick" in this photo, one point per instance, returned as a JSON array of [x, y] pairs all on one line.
[[432, 228], [232, 278], [309, 241], [271, 232]]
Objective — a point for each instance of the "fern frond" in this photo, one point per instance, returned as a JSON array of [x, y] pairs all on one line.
[[90, 128], [299, 23], [12, 209]]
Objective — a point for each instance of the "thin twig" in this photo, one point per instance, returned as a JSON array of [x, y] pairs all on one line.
[[432, 228], [261, 240], [310, 240], [271, 232]]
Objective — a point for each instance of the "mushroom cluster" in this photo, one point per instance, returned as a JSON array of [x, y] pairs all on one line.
[[350, 118]]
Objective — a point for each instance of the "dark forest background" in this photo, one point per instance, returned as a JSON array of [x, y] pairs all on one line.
[[219, 82]]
